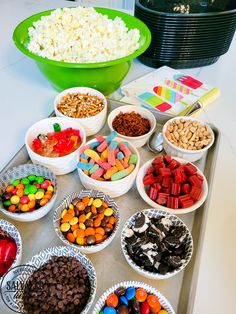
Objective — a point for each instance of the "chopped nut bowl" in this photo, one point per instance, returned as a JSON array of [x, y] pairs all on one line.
[[83, 104], [187, 138]]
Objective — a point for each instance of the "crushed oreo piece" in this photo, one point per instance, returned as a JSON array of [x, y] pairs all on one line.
[[156, 244]]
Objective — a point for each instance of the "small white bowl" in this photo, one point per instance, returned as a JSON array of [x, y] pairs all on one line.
[[146, 198], [59, 165], [112, 188], [126, 284], [43, 256], [87, 249], [190, 155], [20, 172], [15, 234], [136, 141], [93, 124], [155, 213]]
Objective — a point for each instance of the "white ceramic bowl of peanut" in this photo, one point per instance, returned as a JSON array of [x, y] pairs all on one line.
[[83, 104], [187, 138]]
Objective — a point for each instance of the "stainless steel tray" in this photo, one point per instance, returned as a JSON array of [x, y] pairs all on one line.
[[110, 264]]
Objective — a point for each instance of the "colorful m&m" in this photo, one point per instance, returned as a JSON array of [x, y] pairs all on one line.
[[132, 300]]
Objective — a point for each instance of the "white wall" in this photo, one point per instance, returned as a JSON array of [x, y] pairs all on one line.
[[121, 4]]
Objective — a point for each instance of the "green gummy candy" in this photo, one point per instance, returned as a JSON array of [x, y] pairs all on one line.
[[32, 189], [7, 203], [39, 180], [56, 127], [119, 175], [133, 159], [16, 182], [32, 177], [25, 181], [93, 169], [26, 191]]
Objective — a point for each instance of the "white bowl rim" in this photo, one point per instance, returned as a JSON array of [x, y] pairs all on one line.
[[121, 180], [74, 90], [52, 159], [188, 151], [28, 215], [147, 272], [86, 247], [136, 284], [19, 248], [109, 121], [180, 211]]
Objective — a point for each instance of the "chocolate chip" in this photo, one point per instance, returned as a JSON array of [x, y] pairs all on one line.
[[62, 280]]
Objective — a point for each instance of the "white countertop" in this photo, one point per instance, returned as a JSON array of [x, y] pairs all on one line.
[[28, 97]]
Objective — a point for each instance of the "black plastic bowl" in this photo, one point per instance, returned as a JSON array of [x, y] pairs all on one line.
[[187, 30]]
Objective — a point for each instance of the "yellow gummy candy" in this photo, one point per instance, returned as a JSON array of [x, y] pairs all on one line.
[[108, 212], [92, 154], [119, 165], [97, 203], [65, 227], [130, 168], [105, 153]]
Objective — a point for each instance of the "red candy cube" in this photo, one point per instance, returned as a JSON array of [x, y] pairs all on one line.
[[190, 169], [167, 159], [185, 188], [175, 188], [153, 193], [195, 180], [195, 193], [165, 172], [173, 202]]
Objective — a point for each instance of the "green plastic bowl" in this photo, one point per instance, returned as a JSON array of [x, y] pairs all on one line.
[[104, 76]]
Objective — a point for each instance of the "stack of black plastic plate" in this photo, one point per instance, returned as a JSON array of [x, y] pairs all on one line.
[[187, 33]]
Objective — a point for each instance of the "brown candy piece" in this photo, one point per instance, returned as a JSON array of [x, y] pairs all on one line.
[[120, 291], [122, 309], [90, 239]]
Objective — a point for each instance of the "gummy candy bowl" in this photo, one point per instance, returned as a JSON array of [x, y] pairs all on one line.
[[12, 232], [156, 244], [130, 288], [117, 187], [180, 192], [88, 198], [17, 174], [92, 124], [59, 165]]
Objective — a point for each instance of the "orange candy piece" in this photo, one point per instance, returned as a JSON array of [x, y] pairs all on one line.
[[112, 220], [31, 204], [70, 237], [112, 300], [141, 295], [10, 188], [93, 209], [89, 231], [152, 300], [85, 200], [97, 222], [74, 227], [99, 237], [101, 216], [156, 309], [20, 192], [104, 204], [66, 218], [82, 218], [79, 233], [43, 201], [80, 206], [12, 208], [100, 230]]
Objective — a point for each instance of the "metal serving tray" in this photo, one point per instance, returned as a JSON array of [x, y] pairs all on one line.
[[110, 264]]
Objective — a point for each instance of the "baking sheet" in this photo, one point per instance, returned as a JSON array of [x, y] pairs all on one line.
[[110, 264]]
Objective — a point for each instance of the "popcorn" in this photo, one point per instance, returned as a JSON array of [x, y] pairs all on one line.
[[81, 35]]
